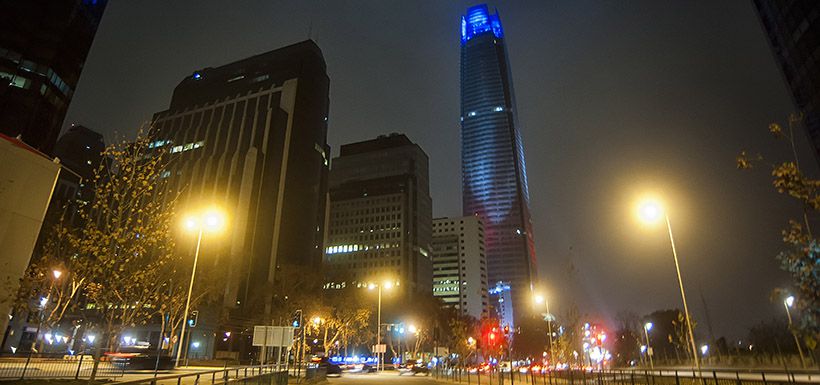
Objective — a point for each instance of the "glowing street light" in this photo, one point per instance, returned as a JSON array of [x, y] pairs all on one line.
[[317, 320], [56, 273], [650, 211], [646, 328], [787, 303], [539, 298], [210, 220]]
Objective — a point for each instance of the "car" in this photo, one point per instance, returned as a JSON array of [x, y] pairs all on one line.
[[362, 368], [413, 368], [139, 360], [330, 368]]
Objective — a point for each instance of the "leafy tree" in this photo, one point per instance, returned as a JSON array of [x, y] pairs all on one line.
[[801, 258], [625, 349], [681, 333], [628, 338], [771, 338], [127, 236], [461, 329], [58, 254], [568, 344], [342, 315], [666, 333]]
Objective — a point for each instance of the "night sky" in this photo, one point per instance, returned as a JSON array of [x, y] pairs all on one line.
[[615, 99]]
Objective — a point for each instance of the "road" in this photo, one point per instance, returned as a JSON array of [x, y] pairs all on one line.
[[389, 377]]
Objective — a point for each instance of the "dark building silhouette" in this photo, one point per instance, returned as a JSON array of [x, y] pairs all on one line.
[[251, 137], [793, 31], [380, 222], [492, 154], [43, 46], [80, 149]]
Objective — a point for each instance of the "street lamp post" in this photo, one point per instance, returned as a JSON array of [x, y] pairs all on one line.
[[43, 303], [539, 299], [651, 211], [787, 303], [211, 220], [387, 285], [646, 328]]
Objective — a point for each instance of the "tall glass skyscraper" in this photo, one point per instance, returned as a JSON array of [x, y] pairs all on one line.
[[492, 155]]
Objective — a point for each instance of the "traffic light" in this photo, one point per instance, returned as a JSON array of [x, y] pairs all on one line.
[[192, 318], [297, 317]]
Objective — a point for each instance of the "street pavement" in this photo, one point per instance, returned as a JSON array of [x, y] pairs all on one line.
[[387, 377]]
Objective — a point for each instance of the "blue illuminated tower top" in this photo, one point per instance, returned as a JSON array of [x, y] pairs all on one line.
[[479, 20]]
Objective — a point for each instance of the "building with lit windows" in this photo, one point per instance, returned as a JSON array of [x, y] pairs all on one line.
[[251, 137], [459, 265], [492, 154], [43, 46], [381, 214], [793, 31], [501, 304]]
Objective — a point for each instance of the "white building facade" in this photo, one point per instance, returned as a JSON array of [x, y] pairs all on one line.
[[460, 265]]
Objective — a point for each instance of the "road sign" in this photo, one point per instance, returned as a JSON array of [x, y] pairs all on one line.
[[380, 348], [273, 336]]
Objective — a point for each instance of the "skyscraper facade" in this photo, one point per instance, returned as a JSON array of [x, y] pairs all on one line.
[[501, 302], [494, 178], [793, 31], [251, 137], [43, 46], [459, 265], [381, 214]]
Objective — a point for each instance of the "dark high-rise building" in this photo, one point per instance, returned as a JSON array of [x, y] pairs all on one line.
[[793, 29], [492, 154], [43, 46], [80, 149], [380, 224], [251, 137]]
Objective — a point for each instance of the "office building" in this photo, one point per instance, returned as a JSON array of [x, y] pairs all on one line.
[[793, 31], [459, 265], [492, 154], [251, 137], [381, 214], [28, 179], [501, 304], [43, 46], [80, 149]]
